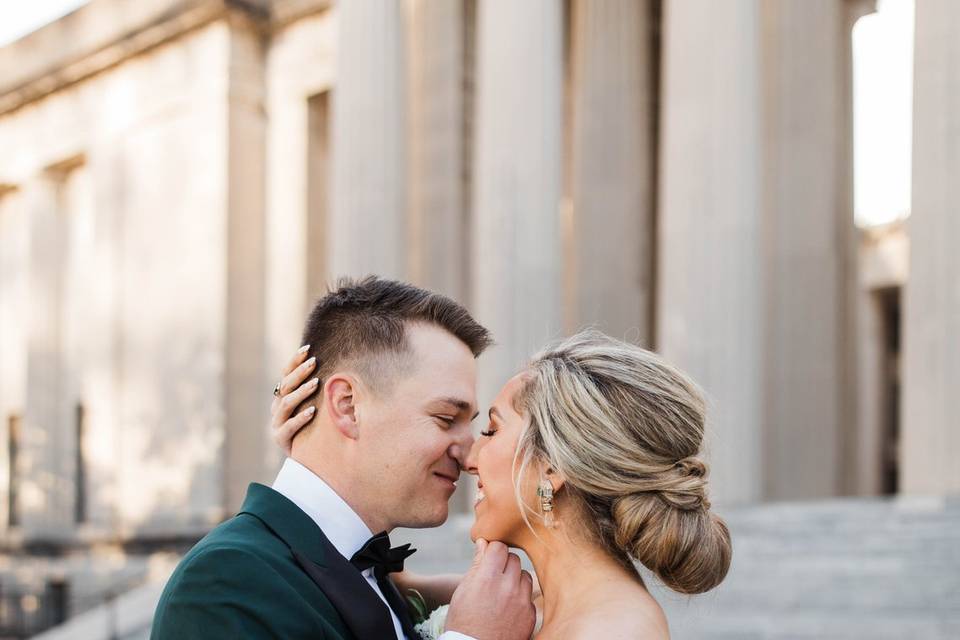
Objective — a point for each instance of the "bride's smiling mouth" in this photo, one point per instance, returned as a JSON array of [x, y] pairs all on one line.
[[480, 494]]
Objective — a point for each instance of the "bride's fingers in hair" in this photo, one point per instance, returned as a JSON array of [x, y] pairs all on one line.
[[296, 360], [293, 400], [283, 436], [290, 401], [296, 377]]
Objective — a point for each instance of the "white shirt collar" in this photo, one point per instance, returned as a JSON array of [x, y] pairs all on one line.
[[342, 526]]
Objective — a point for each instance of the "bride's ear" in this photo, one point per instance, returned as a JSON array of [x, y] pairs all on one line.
[[340, 395]]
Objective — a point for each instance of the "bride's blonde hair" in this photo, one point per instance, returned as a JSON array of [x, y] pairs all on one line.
[[623, 428]]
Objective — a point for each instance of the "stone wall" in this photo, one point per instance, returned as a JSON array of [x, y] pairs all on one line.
[[138, 192]]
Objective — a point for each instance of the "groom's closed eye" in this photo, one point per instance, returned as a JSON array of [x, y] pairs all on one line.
[[449, 410]]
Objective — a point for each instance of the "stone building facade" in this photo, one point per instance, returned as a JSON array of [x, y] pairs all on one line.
[[181, 178]]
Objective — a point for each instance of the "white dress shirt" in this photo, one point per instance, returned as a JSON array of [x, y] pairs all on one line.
[[342, 526]]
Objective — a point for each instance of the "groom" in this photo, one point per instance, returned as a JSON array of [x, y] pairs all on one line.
[[309, 558]]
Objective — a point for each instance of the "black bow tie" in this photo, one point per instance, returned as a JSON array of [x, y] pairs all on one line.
[[378, 554]]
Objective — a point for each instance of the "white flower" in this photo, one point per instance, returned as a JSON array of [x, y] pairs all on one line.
[[432, 627]]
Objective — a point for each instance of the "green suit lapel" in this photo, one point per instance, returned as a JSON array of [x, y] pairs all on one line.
[[363, 612], [287, 522]]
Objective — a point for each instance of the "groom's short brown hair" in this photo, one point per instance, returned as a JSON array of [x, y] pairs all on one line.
[[361, 321]]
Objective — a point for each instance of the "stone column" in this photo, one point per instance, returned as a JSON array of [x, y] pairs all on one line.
[[14, 327], [517, 176], [438, 185], [439, 79], [246, 412], [300, 71], [367, 221], [756, 275], [612, 154], [930, 424], [78, 322], [810, 249], [106, 169], [710, 264], [43, 498]]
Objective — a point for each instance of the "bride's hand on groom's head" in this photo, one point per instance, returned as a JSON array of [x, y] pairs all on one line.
[[494, 598], [293, 389]]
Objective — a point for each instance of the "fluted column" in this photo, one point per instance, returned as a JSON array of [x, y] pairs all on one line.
[[710, 270], [43, 499], [810, 249], [244, 444], [367, 222], [78, 322], [611, 270], [930, 423], [517, 176], [14, 292], [756, 269], [438, 186], [102, 377]]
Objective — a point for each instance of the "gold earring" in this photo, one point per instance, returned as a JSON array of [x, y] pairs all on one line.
[[545, 493]]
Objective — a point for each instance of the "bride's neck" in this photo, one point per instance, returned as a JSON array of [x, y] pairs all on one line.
[[568, 567]]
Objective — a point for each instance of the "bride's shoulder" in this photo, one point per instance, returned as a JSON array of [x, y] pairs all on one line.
[[623, 614], [621, 623]]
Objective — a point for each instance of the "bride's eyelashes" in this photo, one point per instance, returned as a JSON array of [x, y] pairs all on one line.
[[489, 433]]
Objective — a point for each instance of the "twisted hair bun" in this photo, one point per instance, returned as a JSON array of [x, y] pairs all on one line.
[[624, 427], [673, 533]]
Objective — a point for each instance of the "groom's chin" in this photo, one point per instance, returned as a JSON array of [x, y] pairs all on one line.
[[427, 519]]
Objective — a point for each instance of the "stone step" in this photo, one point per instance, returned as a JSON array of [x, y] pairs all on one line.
[[718, 624], [844, 569]]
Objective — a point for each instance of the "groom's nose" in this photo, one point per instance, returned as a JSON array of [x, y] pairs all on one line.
[[460, 448], [470, 465]]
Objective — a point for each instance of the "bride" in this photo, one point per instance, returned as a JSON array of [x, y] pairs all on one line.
[[588, 463]]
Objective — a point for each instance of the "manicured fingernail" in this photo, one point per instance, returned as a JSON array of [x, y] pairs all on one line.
[[304, 349], [311, 409], [315, 382], [312, 361]]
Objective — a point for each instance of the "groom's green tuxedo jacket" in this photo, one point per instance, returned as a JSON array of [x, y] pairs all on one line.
[[270, 572]]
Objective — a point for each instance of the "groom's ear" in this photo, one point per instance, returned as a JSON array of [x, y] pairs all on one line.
[[340, 401]]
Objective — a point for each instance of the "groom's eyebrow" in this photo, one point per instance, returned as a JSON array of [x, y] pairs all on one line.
[[461, 405]]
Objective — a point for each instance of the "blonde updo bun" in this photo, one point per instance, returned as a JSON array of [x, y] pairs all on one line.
[[688, 549], [624, 428]]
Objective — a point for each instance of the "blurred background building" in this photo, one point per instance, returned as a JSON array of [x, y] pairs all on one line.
[[180, 179]]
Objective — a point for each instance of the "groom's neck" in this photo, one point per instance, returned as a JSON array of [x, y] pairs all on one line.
[[344, 485]]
